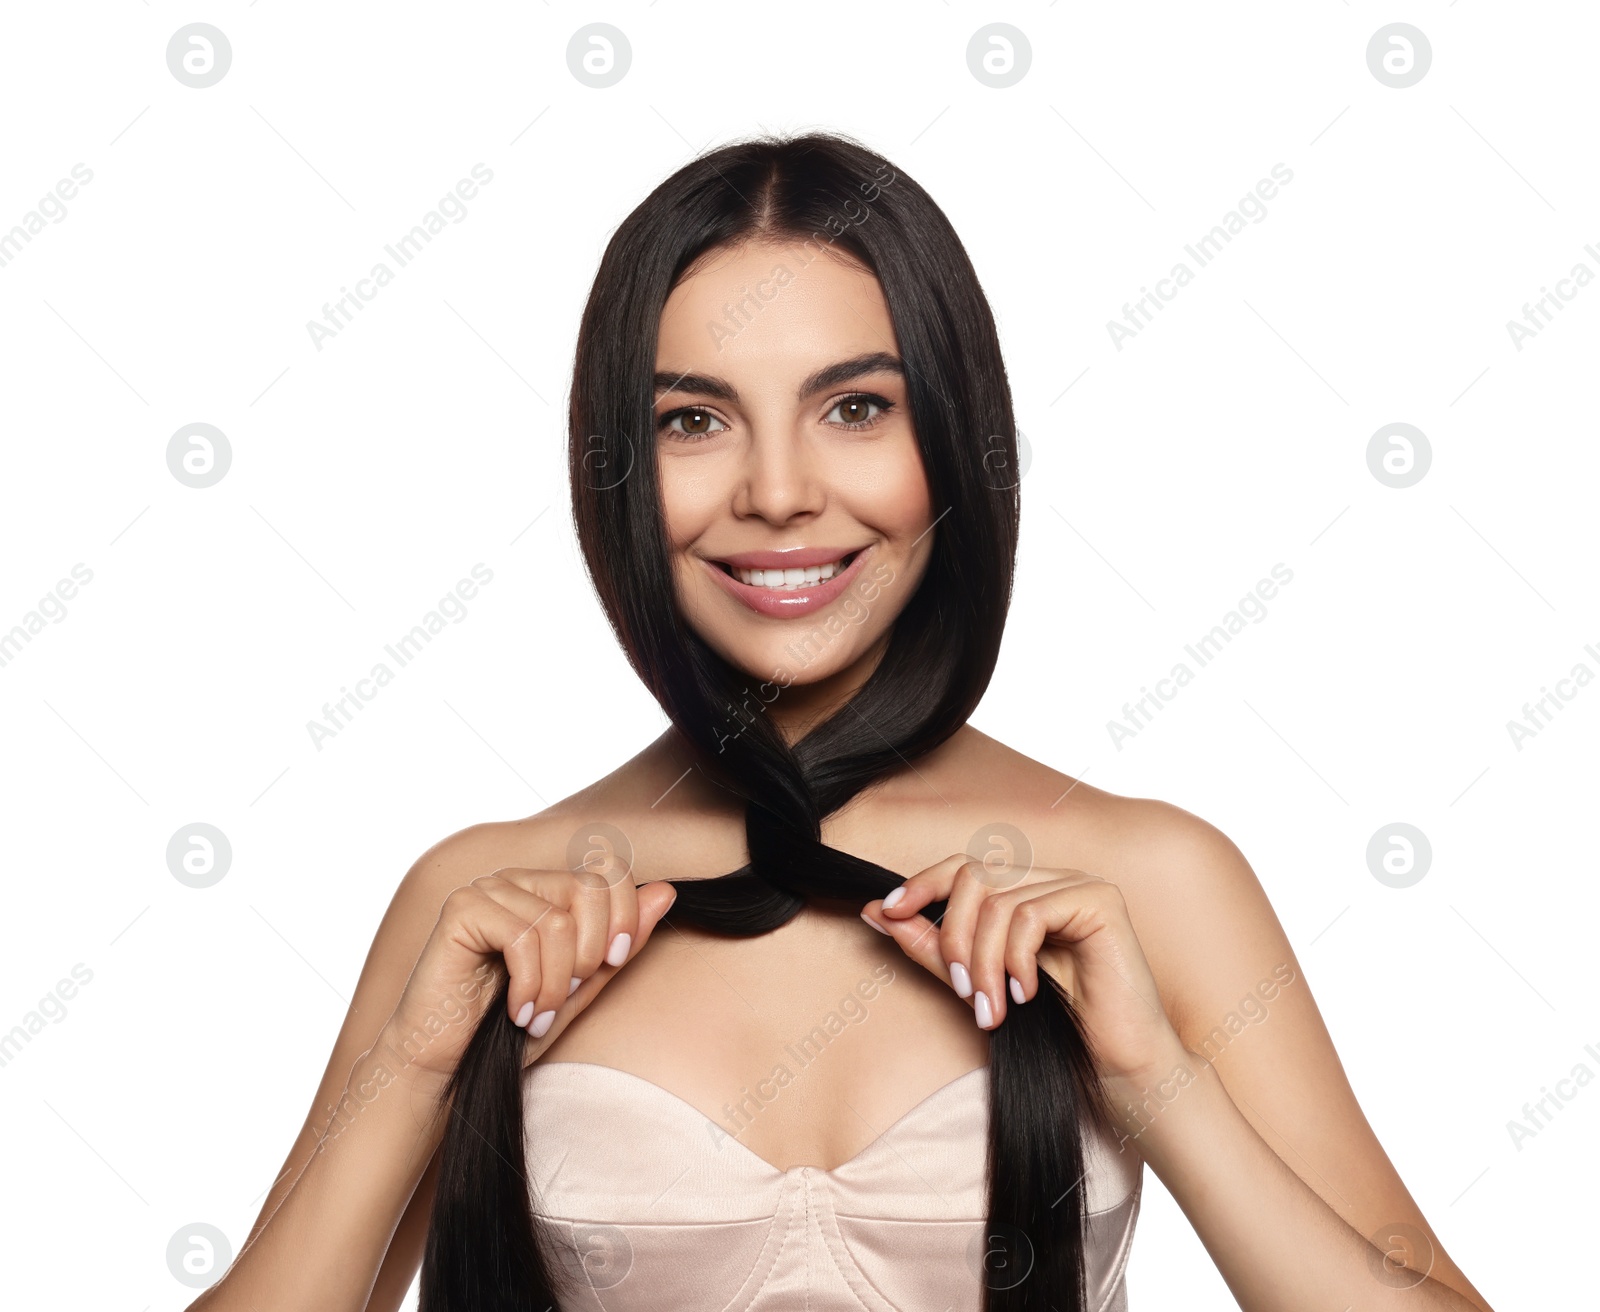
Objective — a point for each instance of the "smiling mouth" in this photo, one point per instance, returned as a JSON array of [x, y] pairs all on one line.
[[789, 580]]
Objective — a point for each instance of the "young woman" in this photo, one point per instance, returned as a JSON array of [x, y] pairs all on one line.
[[792, 456]]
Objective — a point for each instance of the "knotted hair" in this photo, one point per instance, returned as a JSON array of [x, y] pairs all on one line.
[[487, 1250]]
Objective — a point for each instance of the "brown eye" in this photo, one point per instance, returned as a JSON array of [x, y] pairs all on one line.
[[691, 422], [860, 411]]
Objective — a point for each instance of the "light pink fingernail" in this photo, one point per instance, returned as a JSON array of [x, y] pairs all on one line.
[[525, 1015], [619, 949], [960, 980], [541, 1024], [985, 1013], [875, 924], [1016, 992], [895, 896], [573, 987]]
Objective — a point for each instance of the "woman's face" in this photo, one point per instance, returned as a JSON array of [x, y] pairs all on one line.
[[785, 444]]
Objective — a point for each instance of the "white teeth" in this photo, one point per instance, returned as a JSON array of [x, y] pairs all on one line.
[[787, 580]]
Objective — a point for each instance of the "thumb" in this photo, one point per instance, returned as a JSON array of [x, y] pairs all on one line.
[[917, 936], [655, 900]]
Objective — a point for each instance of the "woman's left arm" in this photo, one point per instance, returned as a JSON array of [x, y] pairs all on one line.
[[1223, 1075]]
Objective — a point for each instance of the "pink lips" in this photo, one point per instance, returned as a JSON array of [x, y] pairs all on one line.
[[788, 604]]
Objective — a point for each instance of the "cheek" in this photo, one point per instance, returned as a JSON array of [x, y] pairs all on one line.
[[900, 495], [688, 506]]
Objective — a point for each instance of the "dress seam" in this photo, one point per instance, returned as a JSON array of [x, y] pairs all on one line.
[[773, 1265]]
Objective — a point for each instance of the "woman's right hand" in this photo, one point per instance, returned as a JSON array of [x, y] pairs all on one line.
[[561, 934]]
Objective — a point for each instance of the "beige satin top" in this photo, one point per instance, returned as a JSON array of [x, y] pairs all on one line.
[[656, 1208]]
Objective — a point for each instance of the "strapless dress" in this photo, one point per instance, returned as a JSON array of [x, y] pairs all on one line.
[[654, 1207]]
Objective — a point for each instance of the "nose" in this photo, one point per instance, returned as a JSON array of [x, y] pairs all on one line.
[[779, 479]]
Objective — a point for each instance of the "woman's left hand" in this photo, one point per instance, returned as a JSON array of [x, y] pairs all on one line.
[[1010, 922]]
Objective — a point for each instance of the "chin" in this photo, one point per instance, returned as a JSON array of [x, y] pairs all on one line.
[[781, 667], [804, 654]]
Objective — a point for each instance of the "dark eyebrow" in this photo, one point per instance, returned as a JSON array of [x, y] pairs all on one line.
[[877, 362]]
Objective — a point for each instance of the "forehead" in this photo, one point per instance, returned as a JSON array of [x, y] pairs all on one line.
[[775, 307]]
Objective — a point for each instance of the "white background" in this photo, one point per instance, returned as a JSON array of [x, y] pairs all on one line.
[[1167, 478]]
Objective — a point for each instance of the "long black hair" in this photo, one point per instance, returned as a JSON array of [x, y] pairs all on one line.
[[486, 1250]]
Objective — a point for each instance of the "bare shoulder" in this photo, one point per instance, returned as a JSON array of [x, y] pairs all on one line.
[[1228, 978], [1136, 835], [417, 901], [1202, 917], [605, 811], [540, 842]]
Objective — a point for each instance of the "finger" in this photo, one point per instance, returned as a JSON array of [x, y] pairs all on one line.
[[486, 926], [973, 885], [592, 898], [587, 896], [1002, 974], [612, 940], [986, 957], [541, 957], [654, 900], [623, 929], [604, 864], [930, 885], [1074, 913], [962, 883], [1027, 936]]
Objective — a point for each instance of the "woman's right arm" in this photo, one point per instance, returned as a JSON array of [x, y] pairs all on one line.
[[343, 1225], [372, 1154]]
